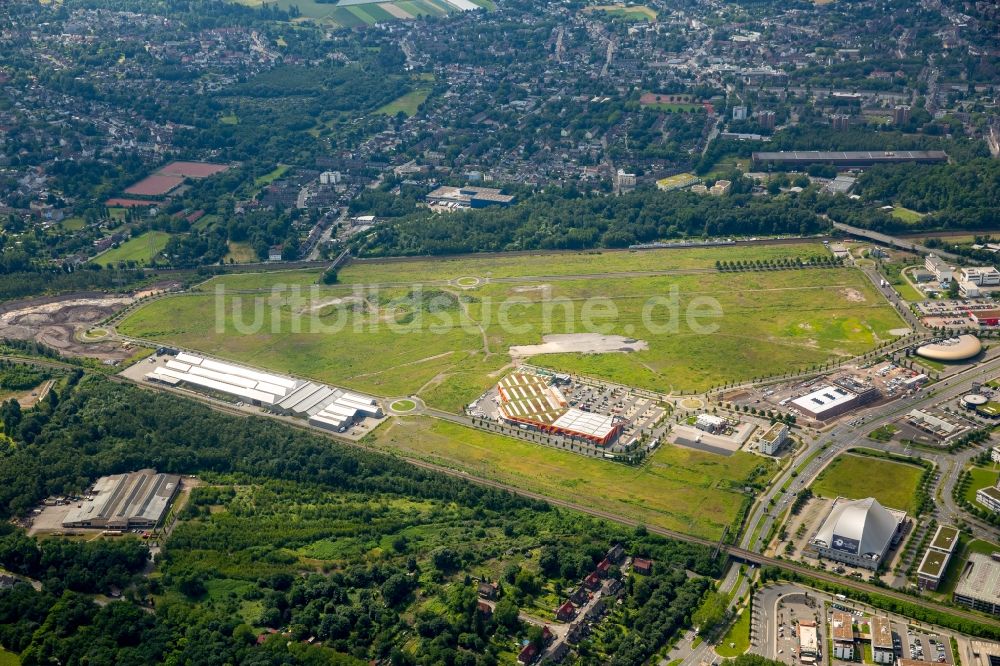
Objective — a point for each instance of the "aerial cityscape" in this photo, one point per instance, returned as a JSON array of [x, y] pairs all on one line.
[[495, 332]]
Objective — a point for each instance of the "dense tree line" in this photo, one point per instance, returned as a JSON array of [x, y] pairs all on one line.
[[293, 491], [962, 195], [565, 219]]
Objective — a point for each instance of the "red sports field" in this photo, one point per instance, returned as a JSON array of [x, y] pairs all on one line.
[[193, 169], [155, 185]]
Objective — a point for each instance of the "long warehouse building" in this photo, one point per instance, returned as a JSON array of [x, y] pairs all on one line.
[[124, 501], [847, 159], [323, 406]]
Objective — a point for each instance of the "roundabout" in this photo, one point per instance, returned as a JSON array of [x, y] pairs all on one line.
[[468, 282], [402, 406]]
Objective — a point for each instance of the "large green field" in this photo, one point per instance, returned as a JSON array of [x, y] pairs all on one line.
[[140, 249], [682, 489], [407, 104], [982, 477], [403, 328], [893, 484]]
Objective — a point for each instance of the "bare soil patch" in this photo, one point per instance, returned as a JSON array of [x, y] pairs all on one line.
[[585, 343]]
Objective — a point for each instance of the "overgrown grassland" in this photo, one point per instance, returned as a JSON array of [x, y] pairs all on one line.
[[690, 491]]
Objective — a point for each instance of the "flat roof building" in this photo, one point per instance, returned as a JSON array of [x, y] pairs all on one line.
[[808, 642], [772, 440], [935, 561], [447, 197], [826, 402], [979, 584], [859, 532], [941, 270], [989, 497], [842, 633], [124, 501], [883, 651], [531, 399], [847, 159], [984, 276]]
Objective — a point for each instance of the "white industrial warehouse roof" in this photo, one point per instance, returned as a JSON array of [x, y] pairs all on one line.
[[823, 399], [328, 405], [859, 527], [585, 423]]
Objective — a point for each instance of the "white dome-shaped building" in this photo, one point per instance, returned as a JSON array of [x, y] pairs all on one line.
[[859, 532]]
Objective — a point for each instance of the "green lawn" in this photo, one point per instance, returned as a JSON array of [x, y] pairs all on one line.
[[73, 223], [229, 119], [893, 484], [271, 176], [141, 249], [906, 215], [682, 489], [9, 658], [407, 104], [737, 639], [982, 477], [883, 433], [449, 353], [627, 12]]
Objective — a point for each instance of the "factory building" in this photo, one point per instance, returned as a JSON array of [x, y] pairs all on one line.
[[935, 561], [125, 501], [846, 159], [457, 198], [323, 406], [773, 439], [859, 532], [979, 584]]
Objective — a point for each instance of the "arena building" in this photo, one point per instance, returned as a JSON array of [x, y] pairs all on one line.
[[532, 400], [953, 349], [124, 501], [859, 532]]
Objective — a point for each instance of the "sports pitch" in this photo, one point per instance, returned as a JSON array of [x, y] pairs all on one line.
[[447, 341]]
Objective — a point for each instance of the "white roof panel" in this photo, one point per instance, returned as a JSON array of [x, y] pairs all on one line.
[[190, 359]]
